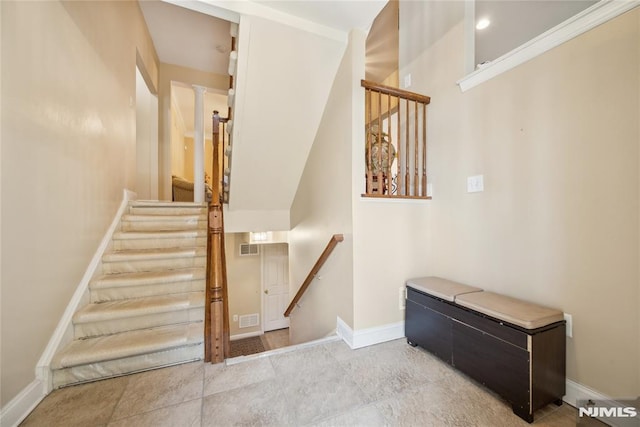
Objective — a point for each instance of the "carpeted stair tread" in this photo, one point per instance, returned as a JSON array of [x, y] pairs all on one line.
[[163, 217], [147, 278], [169, 234], [136, 307], [167, 208], [153, 254], [128, 344], [164, 204]]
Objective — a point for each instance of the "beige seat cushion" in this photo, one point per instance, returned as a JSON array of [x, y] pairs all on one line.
[[440, 288], [521, 313]]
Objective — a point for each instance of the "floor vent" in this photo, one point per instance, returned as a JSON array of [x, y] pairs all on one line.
[[247, 249], [249, 320]]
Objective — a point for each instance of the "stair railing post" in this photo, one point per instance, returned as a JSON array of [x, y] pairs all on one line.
[[216, 334]]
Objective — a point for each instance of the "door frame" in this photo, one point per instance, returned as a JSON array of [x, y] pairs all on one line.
[[262, 283]]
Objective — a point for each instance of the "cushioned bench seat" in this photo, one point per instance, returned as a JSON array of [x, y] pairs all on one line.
[[511, 310], [514, 347], [441, 288]]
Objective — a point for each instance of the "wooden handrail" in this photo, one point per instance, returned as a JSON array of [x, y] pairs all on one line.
[[333, 242], [394, 91]]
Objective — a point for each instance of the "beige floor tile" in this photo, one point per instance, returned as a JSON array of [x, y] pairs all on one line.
[[219, 377], [185, 414], [260, 404], [315, 395], [390, 384], [306, 359], [160, 388], [384, 374], [81, 405], [367, 416], [341, 351]]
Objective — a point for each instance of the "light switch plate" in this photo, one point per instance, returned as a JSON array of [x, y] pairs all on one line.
[[407, 81], [475, 184], [569, 325]]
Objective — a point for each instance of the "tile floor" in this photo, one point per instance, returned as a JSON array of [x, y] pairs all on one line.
[[390, 384]]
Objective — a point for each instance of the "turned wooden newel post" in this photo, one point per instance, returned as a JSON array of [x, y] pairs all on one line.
[[216, 284], [216, 335]]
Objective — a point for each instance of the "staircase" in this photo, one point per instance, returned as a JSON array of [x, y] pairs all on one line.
[[146, 308]]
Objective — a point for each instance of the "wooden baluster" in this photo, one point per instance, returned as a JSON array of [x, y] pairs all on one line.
[[407, 186], [226, 329], [380, 176], [424, 150], [389, 158], [400, 178], [416, 146], [368, 131]]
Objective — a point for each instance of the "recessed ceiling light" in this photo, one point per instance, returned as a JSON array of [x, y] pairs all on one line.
[[482, 24]]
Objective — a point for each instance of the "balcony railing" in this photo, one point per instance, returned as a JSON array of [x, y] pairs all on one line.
[[396, 142]]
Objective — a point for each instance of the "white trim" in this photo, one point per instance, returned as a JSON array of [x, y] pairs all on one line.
[[246, 335], [394, 200], [370, 336], [584, 21], [576, 391], [20, 406], [233, 10], [43, 371]]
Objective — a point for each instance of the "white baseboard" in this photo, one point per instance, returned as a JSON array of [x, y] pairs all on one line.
[[577, 391], [369, 336], [247, 335], [43, 371], [20, 406]]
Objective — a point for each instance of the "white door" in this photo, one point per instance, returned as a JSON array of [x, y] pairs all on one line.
[[275, 285]]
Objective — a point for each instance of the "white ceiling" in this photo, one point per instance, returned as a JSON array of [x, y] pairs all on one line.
[[343, 15], [187, 38], [509, 30]]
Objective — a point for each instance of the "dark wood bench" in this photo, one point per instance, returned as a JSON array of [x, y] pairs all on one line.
[[513, 347]]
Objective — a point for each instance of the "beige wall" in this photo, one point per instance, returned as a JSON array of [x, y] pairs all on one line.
[[322, 207], [177, 144], [557, 141], [187, 165], [167, 74], [244, 275], [69, 150]]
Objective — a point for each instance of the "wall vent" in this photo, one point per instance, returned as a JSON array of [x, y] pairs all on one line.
[[249, 320], [247, 249]]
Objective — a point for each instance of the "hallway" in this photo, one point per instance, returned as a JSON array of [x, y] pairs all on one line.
[[323, 385]]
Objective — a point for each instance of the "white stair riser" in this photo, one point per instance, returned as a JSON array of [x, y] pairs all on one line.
[[184, 242], [141, 291], [133, 266], [164, 225], [108, 327], [113, 368], [166, 210]]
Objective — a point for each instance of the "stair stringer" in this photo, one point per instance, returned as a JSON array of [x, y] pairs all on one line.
[[63, 334]]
